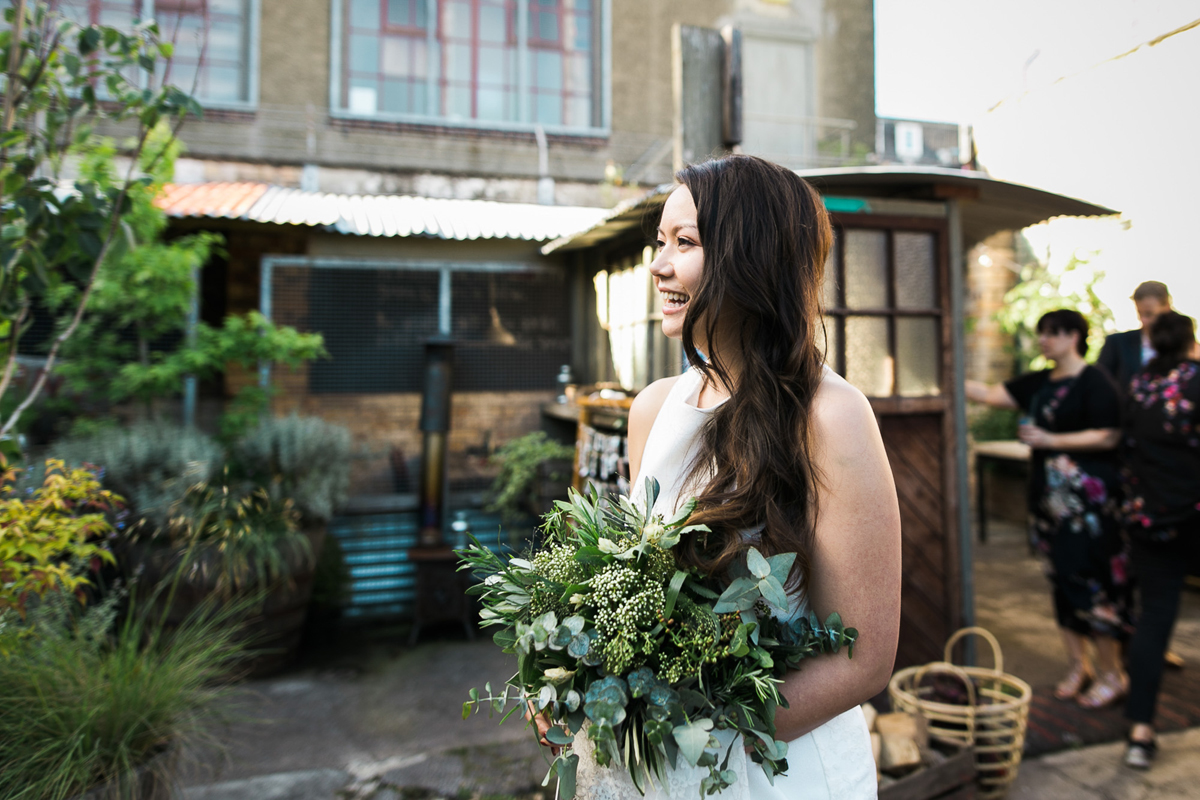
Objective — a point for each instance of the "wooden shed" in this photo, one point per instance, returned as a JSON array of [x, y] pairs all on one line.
[[894, 317]]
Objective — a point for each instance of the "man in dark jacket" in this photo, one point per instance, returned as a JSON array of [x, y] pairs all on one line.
[[1124, 354]]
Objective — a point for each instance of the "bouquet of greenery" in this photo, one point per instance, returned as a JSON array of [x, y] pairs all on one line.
[[611, 636]]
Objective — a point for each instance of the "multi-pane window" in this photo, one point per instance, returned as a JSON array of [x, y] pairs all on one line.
[[212, 39], [506, 62], [882, 311]]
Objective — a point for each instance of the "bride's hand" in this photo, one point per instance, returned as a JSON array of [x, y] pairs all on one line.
[[542, 721]]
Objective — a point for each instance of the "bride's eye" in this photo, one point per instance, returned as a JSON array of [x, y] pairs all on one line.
[[659, 244]]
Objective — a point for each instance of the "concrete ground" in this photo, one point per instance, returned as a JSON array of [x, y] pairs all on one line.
[[372, 718], [1012, 600]]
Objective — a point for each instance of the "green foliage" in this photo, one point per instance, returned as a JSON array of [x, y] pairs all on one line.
[[303, 458], [151, 465], [1042, 289], [67, 79], [233, 535], [331, 578], [519, 460], [83, 702], [989, 424], [148, 292], [607, 631], [45, 536]]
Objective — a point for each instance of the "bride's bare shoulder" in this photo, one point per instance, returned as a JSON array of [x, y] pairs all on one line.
[[648, 401], [843, 421]]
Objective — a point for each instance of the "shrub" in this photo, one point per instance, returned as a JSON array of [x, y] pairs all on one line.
[[151, 465], [82, 704], [519, 460], [46, 536], [303, 458], [233, 535]]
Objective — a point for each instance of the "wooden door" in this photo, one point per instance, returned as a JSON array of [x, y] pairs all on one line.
[[889, 332]]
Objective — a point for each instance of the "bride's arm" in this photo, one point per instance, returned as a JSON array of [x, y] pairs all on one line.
[[855, 562]]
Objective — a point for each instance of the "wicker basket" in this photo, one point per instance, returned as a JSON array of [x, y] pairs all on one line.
[[992, 720]]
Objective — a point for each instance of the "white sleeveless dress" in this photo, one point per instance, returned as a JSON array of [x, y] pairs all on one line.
[[832, 762]]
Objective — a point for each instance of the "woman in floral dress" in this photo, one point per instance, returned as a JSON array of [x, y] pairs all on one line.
[[1162, 505], [1073, 425]]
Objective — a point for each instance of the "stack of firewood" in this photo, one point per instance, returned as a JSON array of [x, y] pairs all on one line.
[[900, 742]]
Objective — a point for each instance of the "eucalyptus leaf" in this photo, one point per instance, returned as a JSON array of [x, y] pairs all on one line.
[[558, 736], [738, 596], [568, 765], [757, 565], [561, 637], [773, 593], [781, 566], [579, 645], [692, 738]]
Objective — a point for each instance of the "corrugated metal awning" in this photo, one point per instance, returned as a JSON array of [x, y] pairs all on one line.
[[988, 206], [377, 215]]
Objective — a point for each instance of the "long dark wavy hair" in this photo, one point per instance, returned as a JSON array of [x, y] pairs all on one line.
[[765, 236]]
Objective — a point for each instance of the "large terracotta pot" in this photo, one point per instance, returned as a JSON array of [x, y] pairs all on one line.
[[274, 627]]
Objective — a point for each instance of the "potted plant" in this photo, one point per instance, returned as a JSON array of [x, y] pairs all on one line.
[[244, 521], [534, 471], [96, 704], [91, 704]]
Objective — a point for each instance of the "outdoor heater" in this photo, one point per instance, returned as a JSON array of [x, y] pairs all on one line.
[[435, 431], [440, 588]]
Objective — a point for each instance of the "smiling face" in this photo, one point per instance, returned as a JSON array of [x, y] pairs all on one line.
[[680, 261]]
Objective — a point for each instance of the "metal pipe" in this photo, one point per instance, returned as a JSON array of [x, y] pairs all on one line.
[[965, 539]]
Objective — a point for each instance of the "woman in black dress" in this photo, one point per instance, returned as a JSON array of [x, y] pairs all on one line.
[[1073, 425], [1162, 508]]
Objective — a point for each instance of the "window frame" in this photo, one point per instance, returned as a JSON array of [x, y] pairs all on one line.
[[603, 54], [253, 46], [836, 316]]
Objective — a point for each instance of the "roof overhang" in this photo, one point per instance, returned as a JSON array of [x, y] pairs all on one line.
[[376, 215], [986, 205]]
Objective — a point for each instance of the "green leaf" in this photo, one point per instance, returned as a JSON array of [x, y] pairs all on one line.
[[692, 738], [673, 592], [561, 637], [558, 736], [781, 566], [566, 775], [579, 645], [757, 565], [737, 645], [773, 593], [738, 596]]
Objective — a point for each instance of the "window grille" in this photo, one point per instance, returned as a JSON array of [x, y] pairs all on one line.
[[510, 323], [507, 63], [214, 40], [882, 314]]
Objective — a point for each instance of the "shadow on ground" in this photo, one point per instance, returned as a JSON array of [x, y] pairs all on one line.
[[368, 717], [371, 716]]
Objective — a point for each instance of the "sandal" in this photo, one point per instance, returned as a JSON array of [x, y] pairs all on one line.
[[1105, 691], [1070, 686], [1140, 754]]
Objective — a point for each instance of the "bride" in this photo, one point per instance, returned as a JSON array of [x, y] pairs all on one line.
[[780, 451]]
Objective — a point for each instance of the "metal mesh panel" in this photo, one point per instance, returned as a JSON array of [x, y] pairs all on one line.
[[374, 322], [512, 330]]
